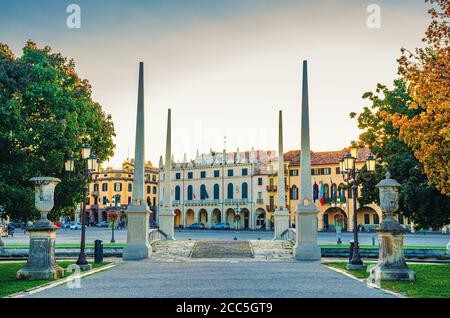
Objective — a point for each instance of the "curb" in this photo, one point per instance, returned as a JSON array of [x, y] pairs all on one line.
[[59, 282], [370, 285]]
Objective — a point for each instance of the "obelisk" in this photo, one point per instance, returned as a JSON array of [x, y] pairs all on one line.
[[138, 212], [281, 215], [306, 247], [166, 214]]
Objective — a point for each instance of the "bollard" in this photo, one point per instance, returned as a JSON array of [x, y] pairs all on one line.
[[373, 241], [98, 252], [352, 247]]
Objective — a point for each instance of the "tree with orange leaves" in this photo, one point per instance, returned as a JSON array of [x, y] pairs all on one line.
[[427, 73]]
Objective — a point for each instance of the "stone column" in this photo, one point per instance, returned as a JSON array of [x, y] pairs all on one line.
[[41, 263], [281, 215], [391, 263], [167, 215], [138, 246], [306, 247]]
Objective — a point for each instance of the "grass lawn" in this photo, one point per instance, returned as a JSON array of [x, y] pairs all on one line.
[[66, 245], [10, 285], [432, 281], [376, 246]]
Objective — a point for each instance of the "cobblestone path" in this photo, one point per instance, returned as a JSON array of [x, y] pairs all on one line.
[[222, 249]]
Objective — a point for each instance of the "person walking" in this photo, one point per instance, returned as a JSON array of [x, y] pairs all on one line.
[[11, 230]]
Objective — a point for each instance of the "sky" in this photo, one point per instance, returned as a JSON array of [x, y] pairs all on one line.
[[225, 67]]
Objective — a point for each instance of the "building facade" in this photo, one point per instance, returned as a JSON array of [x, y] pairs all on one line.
[[240, 188], [116, 185], [221, 187]]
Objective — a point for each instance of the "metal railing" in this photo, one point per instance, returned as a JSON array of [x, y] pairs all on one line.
[[236, 201], [156, 235], [289, 235]]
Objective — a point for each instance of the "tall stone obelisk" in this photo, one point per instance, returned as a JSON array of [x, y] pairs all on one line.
[[281, 215], [166, 214], [306, 247], [138, 246]]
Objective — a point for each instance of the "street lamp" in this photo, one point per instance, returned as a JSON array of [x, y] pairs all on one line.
[[90, 166], [236, 214], [350, 174], [114, 215]]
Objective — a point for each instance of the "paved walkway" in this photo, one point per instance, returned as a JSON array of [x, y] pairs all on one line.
[[170, 272]]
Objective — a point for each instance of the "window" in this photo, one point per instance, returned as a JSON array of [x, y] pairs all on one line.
[[327, 191], [148, 189], [203, 193], [177, 193], [130, 187], [154, 178], [154, 190], [272, 201], [117, 187], [294, 193], [216, 173], [400, 219], [117, 199], [104, 200], [190, 175], [338, 170], [96, 187], [178, 176], [148, 201], [366, 219], [376, 219], [190, 192], [230, 172], [245, 172], [230, 189], [203, 174], [293, 173], [244, 190], [216, 192], [104, 187], [129, 200]]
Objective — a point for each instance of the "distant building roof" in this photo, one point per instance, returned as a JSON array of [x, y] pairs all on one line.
[[325, 157]]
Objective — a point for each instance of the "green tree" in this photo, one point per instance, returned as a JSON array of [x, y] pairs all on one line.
[[419, 201], [46, 113]]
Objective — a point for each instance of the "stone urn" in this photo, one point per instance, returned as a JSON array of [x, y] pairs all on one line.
[[41, 256], [44, 193], [391, 263]]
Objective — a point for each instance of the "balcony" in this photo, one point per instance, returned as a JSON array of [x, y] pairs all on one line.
[[271, 208], [272, 188], [176, 203], [94, 193], [236, 201], [259, 201], [200, 202]]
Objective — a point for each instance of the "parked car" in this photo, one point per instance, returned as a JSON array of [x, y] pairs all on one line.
[[102, 224], [75, 226], [221, 226], [66, 225], [197, 226]]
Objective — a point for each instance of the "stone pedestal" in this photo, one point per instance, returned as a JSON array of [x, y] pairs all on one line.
[[391, 263], [281, 219], [138, 246], [166, 222], [41, 262], [306, 247]]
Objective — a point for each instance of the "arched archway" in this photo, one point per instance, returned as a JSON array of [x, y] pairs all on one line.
[[332, 216], [190, 217], [178, 221], [244, 219], [216, 216], [260, 219], [203, 217], [230, 218]]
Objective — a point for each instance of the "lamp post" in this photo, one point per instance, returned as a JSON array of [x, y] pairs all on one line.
[[2, 244], [236, 214], [90, 165], [350, 174], [114, 216]]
